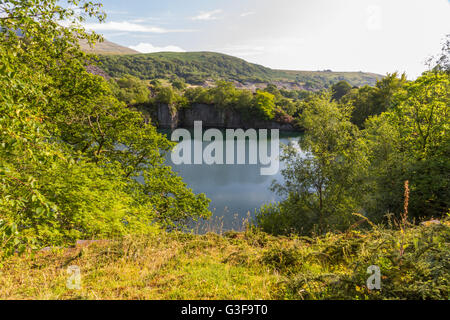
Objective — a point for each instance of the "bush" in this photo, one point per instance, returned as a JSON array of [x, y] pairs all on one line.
[[264, 105], [421, 272], [283, 259], [130, 90]]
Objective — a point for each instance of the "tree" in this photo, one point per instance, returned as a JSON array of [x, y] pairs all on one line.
[[322, 183], [273, 89], [442, 62], [165, 95], [223, 94], [340, 89], [179, 84], [130, 90], [369, 101], [411, 142], [198, 95], [264, 105], [71, 154], [422, 113]]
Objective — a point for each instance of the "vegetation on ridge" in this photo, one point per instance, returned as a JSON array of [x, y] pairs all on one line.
[[198, 67]]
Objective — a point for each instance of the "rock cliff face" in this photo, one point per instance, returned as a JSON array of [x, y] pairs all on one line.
[[212, 117], [168, 117]]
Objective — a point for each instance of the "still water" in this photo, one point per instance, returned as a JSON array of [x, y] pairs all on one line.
[[236, 191]]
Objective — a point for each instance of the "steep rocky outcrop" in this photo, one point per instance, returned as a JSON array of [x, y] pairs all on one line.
[[212, 117], [97, 71]]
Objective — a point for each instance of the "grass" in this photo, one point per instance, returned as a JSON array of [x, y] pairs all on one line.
[[239, 265]]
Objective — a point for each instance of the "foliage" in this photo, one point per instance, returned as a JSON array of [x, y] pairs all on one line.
[[130, 90], [264, 103], [165, 95], [248, 265], [340, 89], [344, 169], [224, 95], [179, 84], [321, 183], [70, 152], [198, 67], [411, 142], [420, 273], [441, 63], [370, 101]]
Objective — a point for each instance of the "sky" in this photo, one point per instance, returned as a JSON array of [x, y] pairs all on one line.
[[380, 36]]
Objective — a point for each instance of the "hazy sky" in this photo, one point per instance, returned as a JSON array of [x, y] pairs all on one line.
[[343, 35]]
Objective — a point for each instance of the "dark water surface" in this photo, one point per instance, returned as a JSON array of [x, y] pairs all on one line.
[[236, 191]]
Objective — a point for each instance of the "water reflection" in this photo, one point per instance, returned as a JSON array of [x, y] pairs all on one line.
[[235, 190]]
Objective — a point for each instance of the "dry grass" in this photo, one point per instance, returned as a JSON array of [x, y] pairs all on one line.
[[245, 265], [166, 267]]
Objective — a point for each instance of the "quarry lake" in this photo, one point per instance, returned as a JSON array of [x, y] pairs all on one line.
[[236, 191]]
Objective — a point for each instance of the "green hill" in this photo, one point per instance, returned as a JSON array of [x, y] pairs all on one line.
[[201, 67]]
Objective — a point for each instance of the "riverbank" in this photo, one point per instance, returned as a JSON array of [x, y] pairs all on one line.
[[246, 265]]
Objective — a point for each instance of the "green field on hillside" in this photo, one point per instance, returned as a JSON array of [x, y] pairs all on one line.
[[198, 67]]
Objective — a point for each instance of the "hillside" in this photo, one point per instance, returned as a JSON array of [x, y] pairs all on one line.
[[203, 68], [106, 47]]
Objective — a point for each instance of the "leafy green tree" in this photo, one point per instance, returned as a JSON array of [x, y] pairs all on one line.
[[224, 94], [411, 142], [198, 95], [264, 105], [322, 183], [130, 90], [387, 88], [442, 62], [289, 106], [179, 84], [340, 89], [166, 95], [369, 101], [362, 100], [273, 89], [71, 154]]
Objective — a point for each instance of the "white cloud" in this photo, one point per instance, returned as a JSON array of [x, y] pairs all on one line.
[[149, 48], [145, 19], [246, 14], [242, 50], [210, 15], [128, 27], [255, 48], [370, 35], [117, 12]]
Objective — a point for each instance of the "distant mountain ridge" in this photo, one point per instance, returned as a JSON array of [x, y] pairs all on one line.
[[204, 68], [106, 47]]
